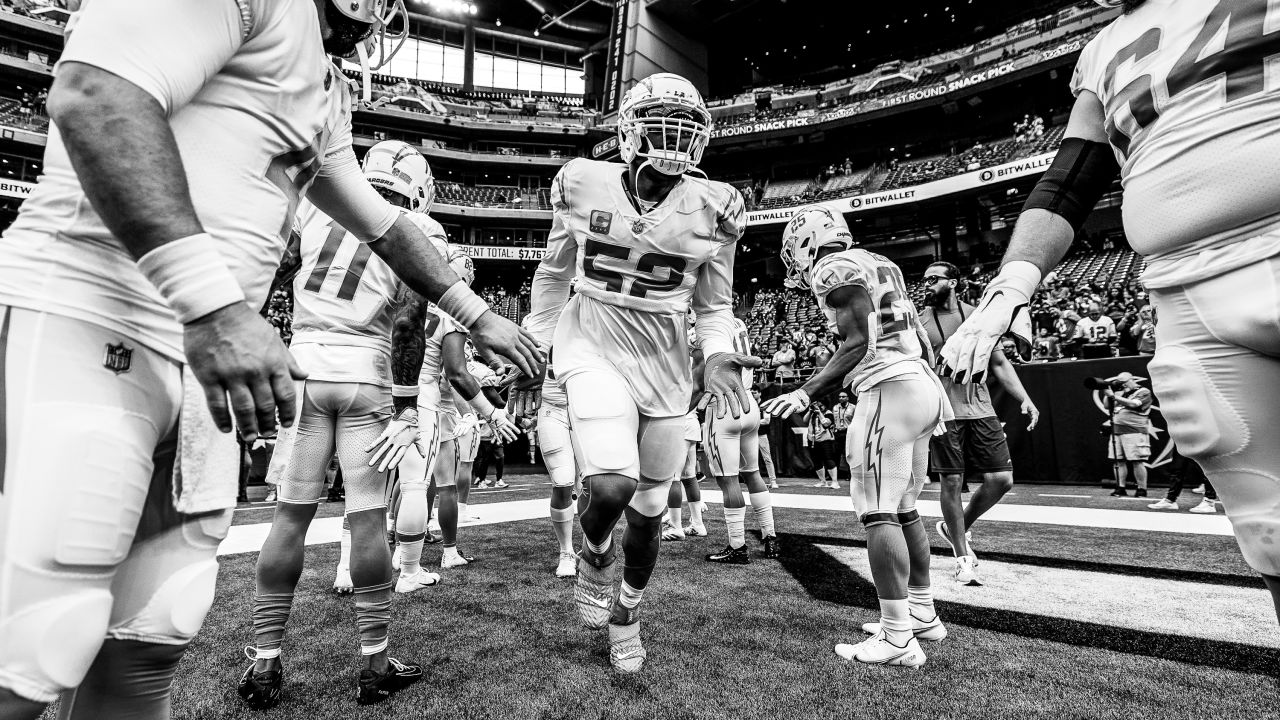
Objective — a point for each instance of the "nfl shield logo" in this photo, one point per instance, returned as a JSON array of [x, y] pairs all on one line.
[[600, 221], [117, 358]]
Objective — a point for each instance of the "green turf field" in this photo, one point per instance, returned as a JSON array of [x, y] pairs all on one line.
[[1073, 623]]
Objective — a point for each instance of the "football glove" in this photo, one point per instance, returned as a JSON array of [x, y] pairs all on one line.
[[505, 430], [722, 378], [784, 405], [396, 439], [1002, 310]]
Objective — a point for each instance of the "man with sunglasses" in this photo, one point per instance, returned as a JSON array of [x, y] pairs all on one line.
[[975, 440]]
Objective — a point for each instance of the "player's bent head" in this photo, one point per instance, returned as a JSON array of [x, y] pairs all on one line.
[[812, 233]]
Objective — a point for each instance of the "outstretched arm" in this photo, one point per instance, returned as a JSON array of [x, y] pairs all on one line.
[[1008, 377], [855, 314]]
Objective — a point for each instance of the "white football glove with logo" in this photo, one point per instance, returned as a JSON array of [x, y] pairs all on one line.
[[400, 434], [503, 428], [1002, 311], [784, 405]]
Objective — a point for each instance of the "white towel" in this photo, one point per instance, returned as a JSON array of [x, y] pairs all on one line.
[[206, 472]]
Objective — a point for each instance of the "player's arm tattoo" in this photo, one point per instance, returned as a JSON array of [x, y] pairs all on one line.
[[408, 342], [289, 265], [455, 366], [854, 310]]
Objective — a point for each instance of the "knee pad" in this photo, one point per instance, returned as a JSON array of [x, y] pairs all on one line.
[[610, 490], [1201, 420], [659, 446], [366, 489], [650, 499], [907, 517], [1252, 502], [48, 647], [872, 519], [643, 524], [604, 426]]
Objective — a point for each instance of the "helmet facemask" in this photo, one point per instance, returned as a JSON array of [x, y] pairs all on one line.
[[361, 33], [664, 121]]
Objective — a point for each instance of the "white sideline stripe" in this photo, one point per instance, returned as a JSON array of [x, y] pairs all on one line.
[[249, 538], [1064, 496], [1167, 606]]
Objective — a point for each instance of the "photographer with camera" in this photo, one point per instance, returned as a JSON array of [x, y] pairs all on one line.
[[1130, 406]]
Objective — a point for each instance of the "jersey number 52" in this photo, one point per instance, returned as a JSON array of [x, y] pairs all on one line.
[[665, 272]]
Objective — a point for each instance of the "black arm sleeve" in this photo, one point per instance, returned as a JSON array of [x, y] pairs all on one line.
[[1081, 172]]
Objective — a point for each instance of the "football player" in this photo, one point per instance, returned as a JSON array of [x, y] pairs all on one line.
[[901, 405], [128, 312], [1180, 100], [442, 373], [644, 240], [733, 458], [344, 300]]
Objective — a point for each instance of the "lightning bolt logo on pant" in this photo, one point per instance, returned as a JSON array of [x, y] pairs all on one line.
[[874, 447]]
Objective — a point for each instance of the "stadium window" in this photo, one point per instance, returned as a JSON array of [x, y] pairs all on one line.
[[528, 76], [504, 72], [454, 61], [552, 79], [483, 74]]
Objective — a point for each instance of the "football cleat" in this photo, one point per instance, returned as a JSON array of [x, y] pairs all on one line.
[[671, 532], [1119, 492], [1199, 489], [771, 547], [695, 530], [1140, 492], [932, 631], [1163, 504], [941, 527], [373, 688], [501, 484], [568, 566], [964, 572], [626, 654], [1206, 507], [260, 691], [593, 592], [417, 581], [432, 538], [456, 559], [342, 581], [877, 650], [731, 555]]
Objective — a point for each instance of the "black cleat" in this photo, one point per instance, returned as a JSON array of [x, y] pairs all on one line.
[[372, 688], [1119, 492], [771, 547], [1140, 493], [337, 495], [260, 691], [731, 556], [432, 539]]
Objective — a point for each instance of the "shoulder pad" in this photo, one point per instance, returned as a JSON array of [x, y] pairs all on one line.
[[837, 271]]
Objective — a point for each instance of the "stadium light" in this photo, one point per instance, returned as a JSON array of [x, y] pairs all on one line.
[[460, 7]]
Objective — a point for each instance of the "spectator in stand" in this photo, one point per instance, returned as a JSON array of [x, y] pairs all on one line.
[[1096, 333], [784, 361], [1128, 332], [1146, 330], [1046, 346]]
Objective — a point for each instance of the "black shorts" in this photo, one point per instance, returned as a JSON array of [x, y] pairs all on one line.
[[976, 446], [823, 454]]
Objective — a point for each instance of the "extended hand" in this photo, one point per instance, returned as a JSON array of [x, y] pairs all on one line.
[[967, 353], [396, 439], [784, 405], [526, 395], [722, 378], [236, 354], [1030, 410], [503, 428], [496, 334]]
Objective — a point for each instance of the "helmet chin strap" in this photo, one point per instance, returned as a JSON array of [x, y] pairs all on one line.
[[366, 75]]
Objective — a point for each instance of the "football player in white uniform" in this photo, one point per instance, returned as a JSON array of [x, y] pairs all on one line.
[[644, 240], [900, 405], [441, 368], [732, 447], [198, 127], [1182, 100], [344, 302]]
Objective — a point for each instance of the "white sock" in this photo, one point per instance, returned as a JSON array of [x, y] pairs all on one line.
[[628, 596], [735, 519], [921, 601], [463, 515], [695, 513], [762, 508], [676, 515], [410, 557], [562, 523], [895, 618], [344, 553]]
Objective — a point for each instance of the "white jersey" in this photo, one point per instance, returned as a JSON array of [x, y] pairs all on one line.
[[436, 392], [1191, 90], [893, 345], [257, 110], [1096, 331], [343, 305], [637, 275]]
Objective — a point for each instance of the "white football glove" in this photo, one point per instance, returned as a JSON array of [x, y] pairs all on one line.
[[1002, 310], [466, 424], [505, 430], [396, 439], [784, 405]]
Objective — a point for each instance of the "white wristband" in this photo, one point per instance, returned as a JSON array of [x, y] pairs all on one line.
[[404, 391], [481, 405], [463, 305], [1018, 276], [191, 276]]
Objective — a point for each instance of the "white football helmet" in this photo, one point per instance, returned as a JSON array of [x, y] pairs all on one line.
[[811, 228], [378, 47], [461, 264], [1110, 3], [664, 120], [397, 166]]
